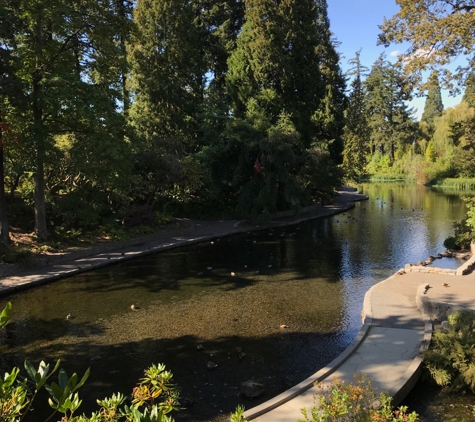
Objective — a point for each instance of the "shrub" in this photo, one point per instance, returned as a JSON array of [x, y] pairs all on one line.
[[358, 402], [152, 399], [451, 358], [464, 231]]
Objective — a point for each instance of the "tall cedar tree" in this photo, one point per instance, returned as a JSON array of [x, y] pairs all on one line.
[[65, 48], [389, 118], [329, 117], [357, 132], [220, 24], [284, 80], [167, 74], [168, 70], [275, 67], [433, 106]]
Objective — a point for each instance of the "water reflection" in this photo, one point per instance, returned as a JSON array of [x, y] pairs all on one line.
[[232, 293]]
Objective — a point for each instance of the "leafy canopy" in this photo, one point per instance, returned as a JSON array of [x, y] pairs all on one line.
[[437, 31]]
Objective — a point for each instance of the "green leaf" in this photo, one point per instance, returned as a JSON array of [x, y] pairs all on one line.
[[63, 379], [30, 370]]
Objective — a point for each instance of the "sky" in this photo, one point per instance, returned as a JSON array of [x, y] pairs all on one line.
[[355, 25]]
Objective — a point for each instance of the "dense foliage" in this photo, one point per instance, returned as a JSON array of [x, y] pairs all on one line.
[[114, 111], [450, 359]]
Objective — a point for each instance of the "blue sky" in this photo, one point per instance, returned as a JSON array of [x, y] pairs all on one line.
[[355, 25]]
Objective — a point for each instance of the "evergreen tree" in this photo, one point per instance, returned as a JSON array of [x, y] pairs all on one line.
[[275, 67], [329, 118], [220, 24], [167, 81], [389, 118], [284, 73], [9, 87], [469, 94], [357, 132], [433, 106]]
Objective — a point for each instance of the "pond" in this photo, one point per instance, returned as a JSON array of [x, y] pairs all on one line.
[[225, 300]]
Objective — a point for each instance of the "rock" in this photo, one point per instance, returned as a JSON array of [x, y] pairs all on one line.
[[445, 325], [211, 365], [251, 389], [188, 402]]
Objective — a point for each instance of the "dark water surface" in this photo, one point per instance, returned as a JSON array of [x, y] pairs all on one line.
[[311, 277]]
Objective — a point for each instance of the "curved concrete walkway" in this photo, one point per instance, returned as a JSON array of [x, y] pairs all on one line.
[[389, 345]]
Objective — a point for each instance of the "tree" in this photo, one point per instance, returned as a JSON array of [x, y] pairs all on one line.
[[276, 67], [469, 94], [389, 118], [66, 50], [10, 87], [285, 83], [329, 118], [433, 106], [357, 132], [167, 81], [437, 32]]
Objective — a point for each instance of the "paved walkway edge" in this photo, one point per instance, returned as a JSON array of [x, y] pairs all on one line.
[[310, 381], [399, 391], [407, 382]]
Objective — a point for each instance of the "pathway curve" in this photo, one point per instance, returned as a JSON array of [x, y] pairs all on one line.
[[389, 345]]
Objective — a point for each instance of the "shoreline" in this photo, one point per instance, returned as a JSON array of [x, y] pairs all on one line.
[[47, 269]]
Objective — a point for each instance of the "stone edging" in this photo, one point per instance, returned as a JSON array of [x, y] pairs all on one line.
[[464, 269], [310, 381], [407, 382]]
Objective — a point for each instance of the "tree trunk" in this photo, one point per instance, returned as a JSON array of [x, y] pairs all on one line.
[[4, 229], [38, 134]]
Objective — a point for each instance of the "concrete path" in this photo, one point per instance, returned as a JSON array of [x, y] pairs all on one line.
[[389, 345]]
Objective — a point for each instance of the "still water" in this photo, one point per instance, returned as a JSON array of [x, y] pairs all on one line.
[[312, 277]]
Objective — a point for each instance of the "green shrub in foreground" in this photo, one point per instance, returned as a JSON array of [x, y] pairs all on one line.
[[451, 358]]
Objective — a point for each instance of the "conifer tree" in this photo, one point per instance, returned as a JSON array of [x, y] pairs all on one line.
[[329, 118], [167, 72], [285, 69], [433, 106], [389, 118], [357, 132], [275, 67], [167, 81]]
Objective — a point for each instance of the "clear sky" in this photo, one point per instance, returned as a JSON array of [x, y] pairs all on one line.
[[355, 25]]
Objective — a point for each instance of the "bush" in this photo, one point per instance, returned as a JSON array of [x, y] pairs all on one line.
[[464, 231], [451, 358], [358, 402], [152, 399]]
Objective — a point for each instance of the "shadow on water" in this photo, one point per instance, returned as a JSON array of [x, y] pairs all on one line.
[[231, 293], [206, 393]]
